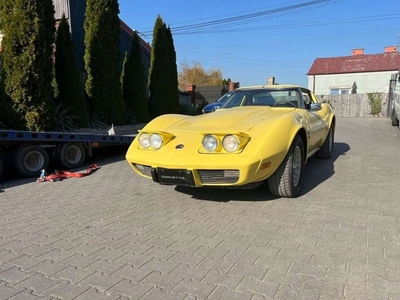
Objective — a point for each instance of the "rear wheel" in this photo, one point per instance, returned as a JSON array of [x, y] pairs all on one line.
[[395, 122], [69, 155], [327, 148], [30, 160], [288, 178]]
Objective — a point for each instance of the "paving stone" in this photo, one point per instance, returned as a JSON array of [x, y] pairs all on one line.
[[66, 291], [128, 289], [198, 290], [7, 291], [157, 293], [14, 275], [190, 272], [162, 266], [72, 274], [48, 268], [249, 284], [221, 293], [37, 283], [132, 273], [93, 294], [99, 281], [165, 282]]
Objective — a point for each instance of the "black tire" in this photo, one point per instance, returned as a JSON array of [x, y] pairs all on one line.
[[30, 160], [288, 178], [327, 148], [1, 168], [395, 122], [69, 155]]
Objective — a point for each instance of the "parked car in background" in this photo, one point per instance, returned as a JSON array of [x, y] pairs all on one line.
[[260, 134], [217, 104]]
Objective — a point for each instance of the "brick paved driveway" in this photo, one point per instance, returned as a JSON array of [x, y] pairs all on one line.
[[115, 235]]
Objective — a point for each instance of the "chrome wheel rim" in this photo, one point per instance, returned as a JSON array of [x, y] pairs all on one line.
[[296, 165]]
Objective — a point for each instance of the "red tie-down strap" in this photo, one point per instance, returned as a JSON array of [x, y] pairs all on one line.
[[60, 175]]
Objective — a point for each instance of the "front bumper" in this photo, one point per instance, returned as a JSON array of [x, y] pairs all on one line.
[[199, 170]]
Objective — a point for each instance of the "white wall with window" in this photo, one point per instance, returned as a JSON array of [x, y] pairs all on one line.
[[336, 84]]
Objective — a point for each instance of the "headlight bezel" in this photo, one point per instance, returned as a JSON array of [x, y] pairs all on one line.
[[241, 138], [164, 137]]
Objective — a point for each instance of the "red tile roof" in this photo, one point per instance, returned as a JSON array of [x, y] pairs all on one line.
[[356, 64]]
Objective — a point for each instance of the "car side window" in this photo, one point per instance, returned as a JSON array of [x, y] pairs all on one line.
[[307, 98]]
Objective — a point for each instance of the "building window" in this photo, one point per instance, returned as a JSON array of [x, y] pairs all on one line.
[[334, 91], [340, 90]]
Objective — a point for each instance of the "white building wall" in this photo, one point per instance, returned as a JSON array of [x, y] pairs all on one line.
[[368, 82]]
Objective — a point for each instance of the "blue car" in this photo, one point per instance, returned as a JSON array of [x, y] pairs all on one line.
[[217, 104]]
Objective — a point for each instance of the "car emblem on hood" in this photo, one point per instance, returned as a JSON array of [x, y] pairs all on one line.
[[179, 147]]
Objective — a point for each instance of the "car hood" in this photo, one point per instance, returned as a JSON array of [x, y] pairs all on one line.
[[233, 119]]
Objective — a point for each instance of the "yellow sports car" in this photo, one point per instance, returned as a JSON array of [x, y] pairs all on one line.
[[260, 133]]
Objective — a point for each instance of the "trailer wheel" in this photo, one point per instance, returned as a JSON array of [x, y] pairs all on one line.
[[30, 160], [69, 155]]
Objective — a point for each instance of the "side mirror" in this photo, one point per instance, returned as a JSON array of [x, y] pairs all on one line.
[[315, 106]]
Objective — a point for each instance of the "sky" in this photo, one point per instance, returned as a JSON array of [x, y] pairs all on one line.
[[252, 40]]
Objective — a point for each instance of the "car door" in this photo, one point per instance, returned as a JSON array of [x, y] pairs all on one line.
[[318, 120]]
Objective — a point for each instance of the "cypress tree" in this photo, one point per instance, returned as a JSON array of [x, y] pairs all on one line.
[[134, 83], [71, 93], [102, 60], [28, 27], [173, 92], [159, 72]]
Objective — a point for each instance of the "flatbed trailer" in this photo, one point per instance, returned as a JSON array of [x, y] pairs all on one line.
[[29, 152]]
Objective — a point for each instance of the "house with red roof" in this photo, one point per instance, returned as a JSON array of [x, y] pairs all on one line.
[[358, 73]]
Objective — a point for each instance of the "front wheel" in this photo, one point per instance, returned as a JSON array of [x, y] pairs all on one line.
[[288, 178]]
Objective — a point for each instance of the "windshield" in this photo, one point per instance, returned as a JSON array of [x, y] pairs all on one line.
[[264, 97], [224, 97]]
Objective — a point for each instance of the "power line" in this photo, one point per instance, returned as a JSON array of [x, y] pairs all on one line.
[[247, 18]]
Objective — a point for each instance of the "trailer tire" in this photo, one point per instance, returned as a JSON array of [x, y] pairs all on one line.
[[30, 160], [69, 155]]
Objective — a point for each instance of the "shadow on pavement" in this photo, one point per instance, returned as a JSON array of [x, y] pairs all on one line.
[[316, 171], [319, 170]]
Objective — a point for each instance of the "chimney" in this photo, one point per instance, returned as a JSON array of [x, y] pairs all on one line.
[[270, 80], [233, 85], [390, 49], [357, 52]]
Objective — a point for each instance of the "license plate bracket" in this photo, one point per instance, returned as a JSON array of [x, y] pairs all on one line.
[[175, 177]]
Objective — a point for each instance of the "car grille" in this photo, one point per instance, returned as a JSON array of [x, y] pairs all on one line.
[[145, 170], [219, 176]]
